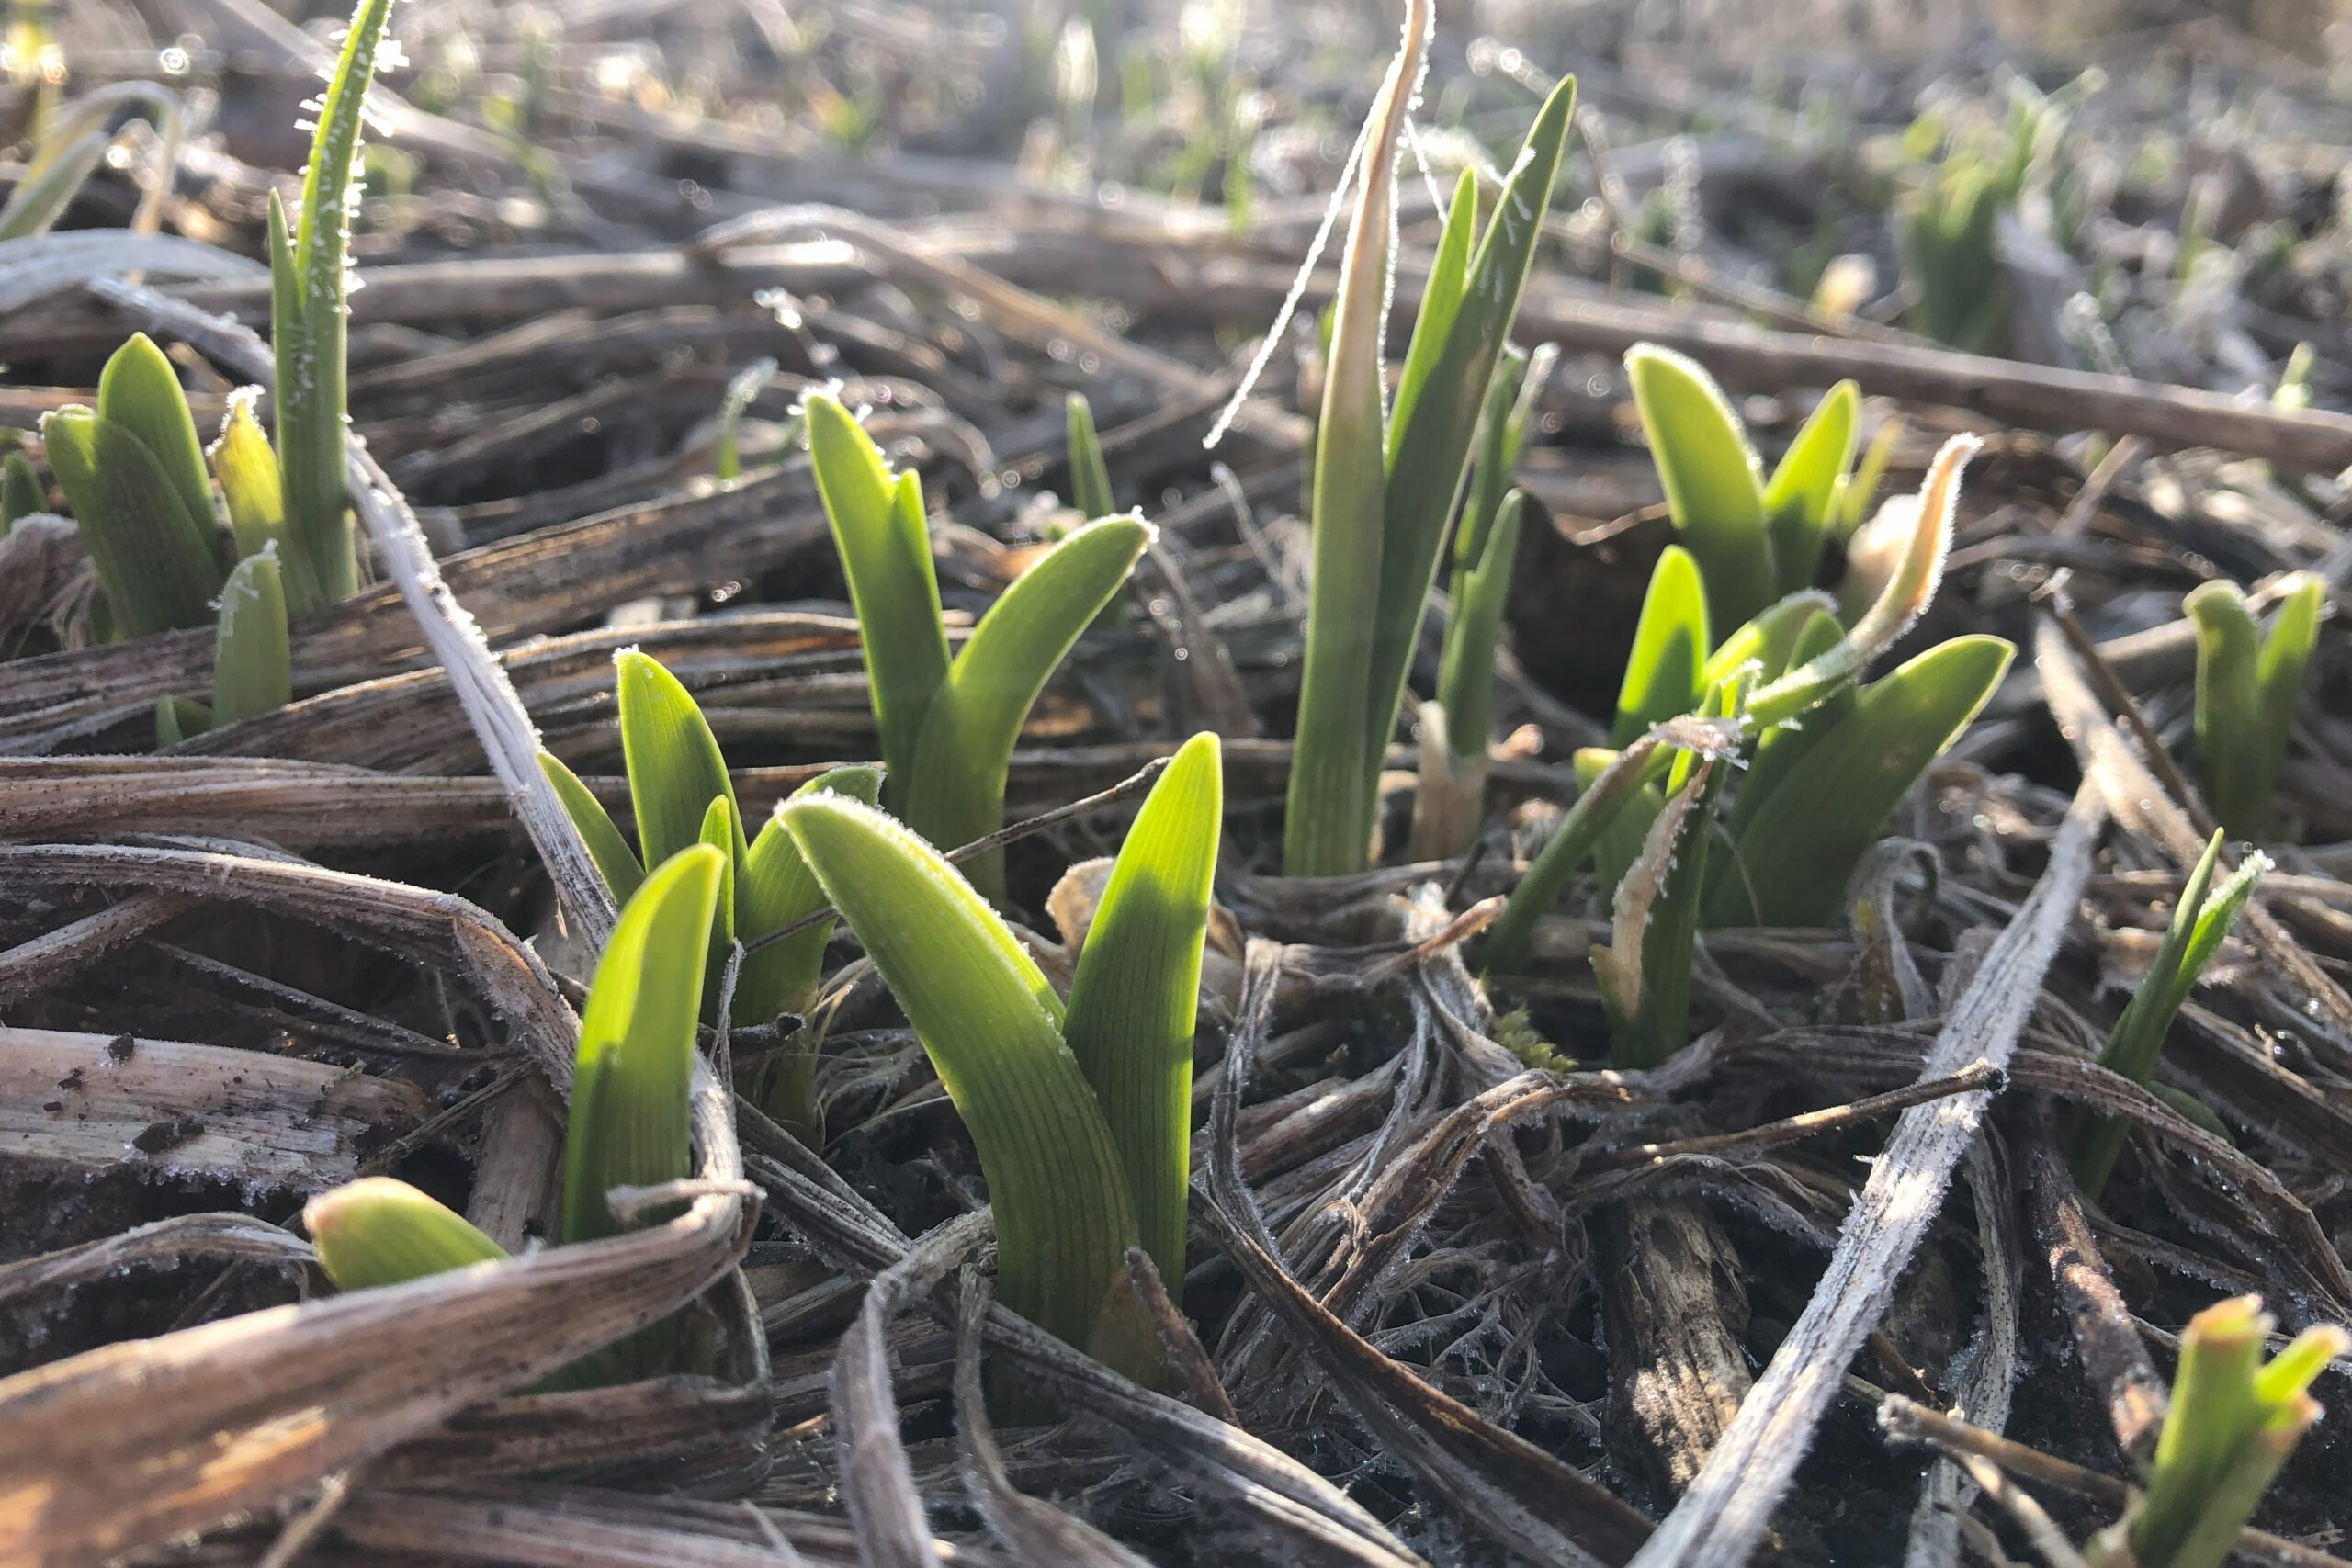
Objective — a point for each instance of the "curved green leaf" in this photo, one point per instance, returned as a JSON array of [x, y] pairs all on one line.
[[675, 769], [1768, 639], [252, 672], [246, 467], [140, 391], [1441, 301], [615, 862], [1466, 671], [777, 888], [1804, 489], [959, 794], [1710, 472], [1133, 1002], [885, 549], [154, 561], [1090, 477], [991, 1026], [41, 198], [2231, 763], [377, 1232], [1800, 841], [629, 1123], [1670, 643]]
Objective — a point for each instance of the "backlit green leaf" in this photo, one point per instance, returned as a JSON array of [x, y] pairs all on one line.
[[178, 718], [1801, 842], [1090, 477], [41, 198], [991, 1026], [1767, 639], [154, 561], [1713, 489], [629, 1123], [1441, 301], [252, 667], [1466, 673], [1644, 971], [2233, 764], [777, 888], [140, 391], [675, 769], [1797, 501], [377, 1232], [1670, 644], [885, 547], [1133, 1002], [959, 794], [615, 862], [246, 466]]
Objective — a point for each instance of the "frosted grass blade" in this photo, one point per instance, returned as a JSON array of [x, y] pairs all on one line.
[[246, 466]]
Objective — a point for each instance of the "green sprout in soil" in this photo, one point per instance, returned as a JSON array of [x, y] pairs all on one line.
[[1828, 755], [948, 727], [2248, 685], [1081, 1113], [2200, 921], [1386, 476], [2234, 1419]]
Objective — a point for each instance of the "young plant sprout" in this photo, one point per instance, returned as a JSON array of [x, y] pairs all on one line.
[[1831, 755], [681, 794], [629, 1125], [742, 388], [948, 727], [2200, 921], [1080, 1114], [2248, 685], [2234, 1419], [1385, 478]]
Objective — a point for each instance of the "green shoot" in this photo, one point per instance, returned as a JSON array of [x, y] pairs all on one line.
[[252, 670], [2233, 1421], [1859, 489], [1133, 1001], [307, 325], [1090, 475], [1383, 489], [614, 861], [377, 1232], [1804, 490], [992, 1027], [20, 490], [2248, 686], [2194, 935], [1714, 490], [1645, 970], [1670, 642], [674, 767], [741, 388], [246, 466]]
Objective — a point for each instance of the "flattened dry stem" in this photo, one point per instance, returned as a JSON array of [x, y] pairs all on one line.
[[1677, 1314]]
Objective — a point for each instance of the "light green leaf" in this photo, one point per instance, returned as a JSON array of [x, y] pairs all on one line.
[[1441, 301], [1133, 1002], [1801, 842], [311, 360], [1710, 472], [1769, 638], [629, 1123], [246, 467], [252, 667], [885, 547], [1858, 490], [1466, 673], [1804, 489], [991, 1026], [177, 718], [20, 490], [1782, 746], [675, 769], [154, 561], [777, 888], [377, 1232], [1090, 477], [41, 198], [2233, 764], [140, 391], [1670, 643], [959, 794], [615, 862]]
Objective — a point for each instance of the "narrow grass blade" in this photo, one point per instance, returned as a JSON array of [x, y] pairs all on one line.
[[675, 769], [1137, 989], [722, 831], [958, 792], [1466, 673], [252, 672], [1502, 431], [1090, 477], [311, 361], [154, 561], [377, 1232], [615, 862], [1441, 301], [741, 388], [1327, 823], [140, 391], [2231, 764], [885, 547], [1713, 489], [1618, 783], [246, 466], [1799, 845], [1804, 489], [1429, 446], [20, 490], [1859, 490], [991, 1026], [629, 1112], [1670, 644], [777, 888]]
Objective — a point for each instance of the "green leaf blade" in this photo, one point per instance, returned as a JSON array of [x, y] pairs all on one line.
[[1090, 475], [1466, 671], [614, 861], [377, 1232], [1670, 644], [252, 671], [675, 769], [776, 889], [1804, 489], [1710, 472], [153, 560], [1137, 992], [140, 391]]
